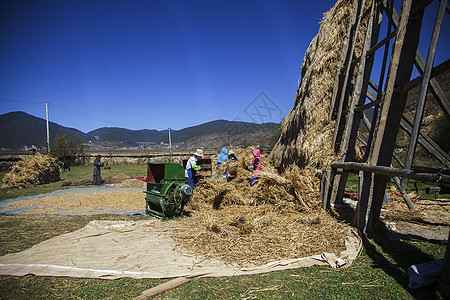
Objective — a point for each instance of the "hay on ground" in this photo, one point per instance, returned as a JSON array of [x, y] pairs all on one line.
[[31, 171]]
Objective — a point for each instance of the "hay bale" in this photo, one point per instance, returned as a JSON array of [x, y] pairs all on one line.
[[31, 171]]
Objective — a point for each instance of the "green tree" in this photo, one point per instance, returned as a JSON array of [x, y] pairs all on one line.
[[67, 148]]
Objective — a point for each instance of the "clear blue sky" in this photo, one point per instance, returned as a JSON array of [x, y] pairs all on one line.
[[154, 64]]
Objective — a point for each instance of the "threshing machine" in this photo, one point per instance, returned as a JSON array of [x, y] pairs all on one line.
[[166, 193]]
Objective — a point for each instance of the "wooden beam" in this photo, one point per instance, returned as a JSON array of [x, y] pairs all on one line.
[[343, 61], [162, 288], [436, 90], [436, 71], [389, 171], [427, 143]]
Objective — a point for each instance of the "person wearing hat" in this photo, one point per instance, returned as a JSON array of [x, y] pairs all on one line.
[[231, 172], [191, 171], [96, 171]]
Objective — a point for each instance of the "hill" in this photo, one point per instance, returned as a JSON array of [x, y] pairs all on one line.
[[212, 134], [19, 129]]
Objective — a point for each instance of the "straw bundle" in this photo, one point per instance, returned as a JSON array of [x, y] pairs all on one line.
[[31, 171]]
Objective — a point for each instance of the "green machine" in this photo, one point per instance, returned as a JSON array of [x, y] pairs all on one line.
[[166, 193]]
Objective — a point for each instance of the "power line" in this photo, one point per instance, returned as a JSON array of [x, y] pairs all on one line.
[[64, 109], [21, 101], [80, 114]]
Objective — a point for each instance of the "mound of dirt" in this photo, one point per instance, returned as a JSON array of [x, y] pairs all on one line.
[[120, 177]]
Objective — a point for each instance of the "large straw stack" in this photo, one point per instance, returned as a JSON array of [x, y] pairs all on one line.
[[307, 131], [31, 171]]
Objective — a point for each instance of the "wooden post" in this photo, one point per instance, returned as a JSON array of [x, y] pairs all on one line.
[[400, 69], [342, 93], [423, 91], [346, 57], [353, 118], [325, 189]]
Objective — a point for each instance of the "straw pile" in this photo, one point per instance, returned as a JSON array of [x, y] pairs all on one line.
[[79, 201], [307, 131], [435, 212], [278, 218], [246, 235], [31, 171]]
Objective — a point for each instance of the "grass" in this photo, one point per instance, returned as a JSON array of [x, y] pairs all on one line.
[[379, 272]]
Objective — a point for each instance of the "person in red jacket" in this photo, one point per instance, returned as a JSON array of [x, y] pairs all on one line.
[[256, 166]]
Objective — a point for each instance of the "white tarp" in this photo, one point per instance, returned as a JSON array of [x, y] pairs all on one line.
[[142, 249]]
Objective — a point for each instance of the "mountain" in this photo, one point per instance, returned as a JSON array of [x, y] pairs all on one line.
[[19, 129], [212, 134], [127, 136]]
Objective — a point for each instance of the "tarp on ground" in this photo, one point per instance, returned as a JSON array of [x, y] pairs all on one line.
[[79, 201], [141, 249]]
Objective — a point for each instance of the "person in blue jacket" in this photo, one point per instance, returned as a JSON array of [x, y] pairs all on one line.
[[222, 157]]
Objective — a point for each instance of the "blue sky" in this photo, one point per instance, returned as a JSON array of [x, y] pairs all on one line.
[[154, 64]]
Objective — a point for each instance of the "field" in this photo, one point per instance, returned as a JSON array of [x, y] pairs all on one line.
[[379, 272]]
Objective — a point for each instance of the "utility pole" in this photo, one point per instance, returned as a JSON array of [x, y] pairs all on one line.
[[170, 145], [48, 130]]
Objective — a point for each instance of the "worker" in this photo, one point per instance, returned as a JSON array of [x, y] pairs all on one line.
[[222, 157], [232, 156], [191, 171], [96, 171], [256, 166], [231, 171]]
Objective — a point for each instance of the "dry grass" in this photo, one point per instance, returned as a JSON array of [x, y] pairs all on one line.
[[278, 218], [245, 235]]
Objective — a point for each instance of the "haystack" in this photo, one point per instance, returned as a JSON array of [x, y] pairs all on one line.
[[307, 131], [31, 171]]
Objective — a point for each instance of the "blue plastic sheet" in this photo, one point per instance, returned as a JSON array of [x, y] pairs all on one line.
[[12, 207]]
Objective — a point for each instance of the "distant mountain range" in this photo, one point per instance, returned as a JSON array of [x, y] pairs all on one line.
[[19, 129]]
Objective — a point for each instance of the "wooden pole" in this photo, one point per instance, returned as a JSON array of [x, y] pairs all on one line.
[[162, 288], [423, 91], [345, 59], [353, 118], [389, 171], [358, 7]]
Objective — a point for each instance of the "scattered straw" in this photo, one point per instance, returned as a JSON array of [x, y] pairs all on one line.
[[278, 218]]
